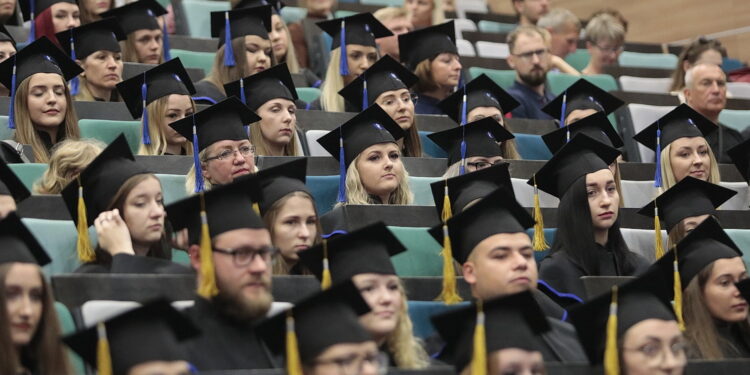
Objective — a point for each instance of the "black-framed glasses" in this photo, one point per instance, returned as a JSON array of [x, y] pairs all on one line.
[[354, 363], [227, 154], [530, 55], [617, 49], [244, 256]]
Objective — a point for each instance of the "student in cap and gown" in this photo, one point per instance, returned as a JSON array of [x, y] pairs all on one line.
[[8, 48], [12, 190], [146, 42], [580, 100], [49, 17]]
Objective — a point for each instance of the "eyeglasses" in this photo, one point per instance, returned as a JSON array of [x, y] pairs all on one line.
[[354, 363], [617, 49], [483, 164], [405, 99], [541, 53], [656, 352], [244, 256], [227, 154]]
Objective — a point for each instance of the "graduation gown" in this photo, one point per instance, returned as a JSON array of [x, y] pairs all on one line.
[[126, 263], [207, 93], [734, 344], [225, 344], [427, 105], [562, 273]]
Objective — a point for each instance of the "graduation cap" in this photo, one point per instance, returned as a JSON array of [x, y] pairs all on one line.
[[744, 287], [259, 88], [141, 90], [228, 25], [275, 183], [596, 126], [11, 185], [31, 8], [276, 5], [581, 95], [361, 29], [464, 189], [366, 250], [370, 127], [471, 333], [601, 321], [386, 74], [481, 91], [18, 244], [152, 332], [41, 56], [222, 121], [740, 155], [138, 15], [315, 324], [6, 37], [423, 44], [478, 138]]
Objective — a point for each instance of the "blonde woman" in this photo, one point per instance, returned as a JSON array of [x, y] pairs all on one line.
[[42, 109], [372, 171], [168, 89], [250, 51], [271, 94], [68, 159], [145, 35], [364, 256], [349, 57], [425, 13]]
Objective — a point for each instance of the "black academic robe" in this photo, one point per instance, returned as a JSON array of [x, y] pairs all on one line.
[[126, 263], [722, 140], [562, 273], [734, 344], [225, 344], [207, 93]]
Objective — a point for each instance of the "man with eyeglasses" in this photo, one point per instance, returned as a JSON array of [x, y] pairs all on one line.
[[605, 40], [240, 264], [530, 58]]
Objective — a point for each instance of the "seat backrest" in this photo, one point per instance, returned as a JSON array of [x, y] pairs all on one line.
[[292, 14], [525, 195], [5, 132], [532, 147], [739, 89], [741, 237], [107, 130], [558, 82], [198, 13], [97, 311], [644, 115], [28, 173], [172, 186], [68, 326], [641, 84], [308, 94], [420, 187], [504, 78], [421, 311], [578, 59], [324, 190], [58, 237], [384, 3], [741, 201], [492, 50], [312, 142], [641, 241], [495, 27], [465, 48], [636, 194], [429, 147], [736, 119], [476, 6], [193, 59], [422, 257], [648, 60], [463, 24]]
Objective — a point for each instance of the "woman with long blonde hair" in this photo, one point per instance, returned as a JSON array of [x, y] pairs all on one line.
[[425, 13], [68, 159], [364, 256], [146, 40]]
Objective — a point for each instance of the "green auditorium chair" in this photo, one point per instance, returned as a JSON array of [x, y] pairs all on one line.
[[59, 238], [558, 82], [344, 13], [384, 3], [68, 326], [198, 14], [192, 59], [422, 257], [293, 14], [181, 257], [29, 173], [495, 27], [172, 186], [421, 311], [107, 130], [531, 147], [324, 190], [742, 238], [504, 78], [420, 187], [647, 60], [578, 59], [736, 119], [308, 94], [5, 133], [429, 147]]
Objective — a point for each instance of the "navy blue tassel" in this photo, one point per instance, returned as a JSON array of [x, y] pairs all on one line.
[[343, 61], [196, 161], [242, 91], [657, 174], [32, 33], [165, 41], [228, 50], [463, 108], [462, 166], [342, 172], [12, 110], [144, 116], [365, 102], [564, 108]]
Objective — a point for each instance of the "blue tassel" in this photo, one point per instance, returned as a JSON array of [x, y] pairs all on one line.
[[74, 83], [463, 108], [342, 172], [462, 167], [196, 161], [564, 108], [165, 41], [343, 61], [32, 33], [657, 174], [12, 110], [144, 116], [365, 102], [242, 91], [228, 50]]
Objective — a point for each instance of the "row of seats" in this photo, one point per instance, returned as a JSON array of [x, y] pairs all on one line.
[[662, 86]]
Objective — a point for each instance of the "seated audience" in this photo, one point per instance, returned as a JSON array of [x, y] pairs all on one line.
[[530, 58], [605, 40], [700, 51], [564, 29]]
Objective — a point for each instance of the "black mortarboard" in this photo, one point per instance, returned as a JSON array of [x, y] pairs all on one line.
[[423, 44], [242, 22], [361, 29], [153, 332], [386, 74], [18, 245], [579, 157], [327, 318], [514, 321], [480, 138], [11, 185], [682, 121], [32, 8], [497, 213], [366, 250], [276, 5], [225, 120], [740, 155], [138, 15], [6, 37], [596, 126], [275, 183], [581, 95], [468, 187], [481, 91], [744, 287], [689, 197], [261, 87], [102, 35]]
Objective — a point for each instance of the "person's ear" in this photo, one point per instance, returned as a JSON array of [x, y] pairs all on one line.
[[195, 258], [469, 272]]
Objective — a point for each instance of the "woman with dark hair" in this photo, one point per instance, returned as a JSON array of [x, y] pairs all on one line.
[[700, 51], [146, 33], [91, 10], [50, 17], [588, 241]]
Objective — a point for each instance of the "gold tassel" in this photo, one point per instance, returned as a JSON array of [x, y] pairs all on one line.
[[103, 359], [479, 355], [207, 287], [658, 245], [539, 243], [325, 280], [293, 361], [83, 244], [256, 208], [449, 294], [611, 358], [678, 292]]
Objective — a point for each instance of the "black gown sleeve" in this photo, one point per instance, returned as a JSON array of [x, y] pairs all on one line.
[[126, 263], [561, 274]]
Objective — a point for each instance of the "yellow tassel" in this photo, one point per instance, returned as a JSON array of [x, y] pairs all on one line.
[[678, 292], [256, 208], [611, 357], [539, 243], [325, 280], [103, 359], [207, 287], [449, 294], [479, 355], [658, 245], [293, 361], [83, 245]]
